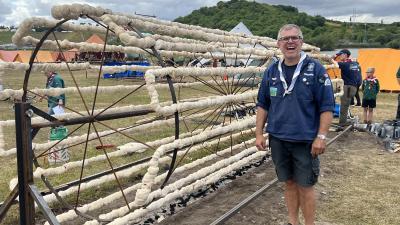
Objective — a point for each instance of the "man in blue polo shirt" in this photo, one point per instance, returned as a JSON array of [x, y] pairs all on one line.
[[351, 75], [296, 98]]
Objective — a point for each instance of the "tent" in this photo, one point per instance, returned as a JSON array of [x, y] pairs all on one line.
[[95, 39], [42, 56], [386, 62], [68, 56], [240, 28], [45, 56], [96, 56], [10, 56]]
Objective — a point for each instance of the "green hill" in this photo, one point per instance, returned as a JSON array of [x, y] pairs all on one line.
[[265, 20]]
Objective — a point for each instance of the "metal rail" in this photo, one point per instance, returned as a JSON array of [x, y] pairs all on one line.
[[256, 194], [244, 203]]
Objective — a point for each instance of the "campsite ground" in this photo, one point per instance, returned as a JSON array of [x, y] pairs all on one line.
[[358, 185]]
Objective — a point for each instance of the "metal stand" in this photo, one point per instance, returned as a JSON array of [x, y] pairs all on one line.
[[26, 190]]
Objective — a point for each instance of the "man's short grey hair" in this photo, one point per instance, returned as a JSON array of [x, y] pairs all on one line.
[[289, 27]]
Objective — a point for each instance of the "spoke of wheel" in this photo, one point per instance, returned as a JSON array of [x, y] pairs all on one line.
[[83, 165], [223, 124], [112, 167], [225, 87], [105, 135], [179, 97], [205, 119], [98, 22], [179, 88], [125, 135], [236, 55], [208, 85], [58, 141], [212, 77], [223, 45], [228, 88], [216, 116], [72, 75], [181, 158], [127, 95], [213, 152], [223, 82], [230, 122], [100, 122], [100, 71], [252, 76], [237, 84], [241, 133], [209, 92], [186, 126], [236, 91], [248, 58], [61, 200], [188, 115]]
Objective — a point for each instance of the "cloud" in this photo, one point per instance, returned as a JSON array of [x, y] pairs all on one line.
[[13, 12], [361, 10], [4, 9]]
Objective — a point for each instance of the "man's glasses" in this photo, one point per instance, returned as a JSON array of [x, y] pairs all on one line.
[[288, 38]]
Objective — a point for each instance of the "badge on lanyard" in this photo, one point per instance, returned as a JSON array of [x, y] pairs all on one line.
[[273, 91]]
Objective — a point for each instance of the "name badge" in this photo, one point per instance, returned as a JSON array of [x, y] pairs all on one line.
[[273, 91]]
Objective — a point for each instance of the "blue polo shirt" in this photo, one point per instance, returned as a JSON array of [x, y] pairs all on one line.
[[351, 73], [296, 116]]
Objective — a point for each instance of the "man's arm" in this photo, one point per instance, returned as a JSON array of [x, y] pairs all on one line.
[[319, 144], [261, 118]]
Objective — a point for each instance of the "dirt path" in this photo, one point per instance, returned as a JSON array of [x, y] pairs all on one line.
[[340, 199]]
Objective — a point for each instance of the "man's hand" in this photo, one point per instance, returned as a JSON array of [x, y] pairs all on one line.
[[318, 147], [261, 143]]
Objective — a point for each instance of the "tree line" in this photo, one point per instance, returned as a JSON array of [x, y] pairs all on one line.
[[265, 20]]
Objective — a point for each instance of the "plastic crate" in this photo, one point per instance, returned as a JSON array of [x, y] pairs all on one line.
[[336, 110], [59, 153]]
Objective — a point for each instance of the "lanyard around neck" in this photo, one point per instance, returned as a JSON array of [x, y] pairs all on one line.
[[289, 89]]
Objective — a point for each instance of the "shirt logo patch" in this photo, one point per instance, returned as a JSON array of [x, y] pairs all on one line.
[[327, 82], [273, 91], [310, 67], [308, 74]]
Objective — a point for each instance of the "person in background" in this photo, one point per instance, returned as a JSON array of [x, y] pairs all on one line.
[[350, 75], [370, 88], [296, 97], [54, 80], [398, 96], [359, 82]]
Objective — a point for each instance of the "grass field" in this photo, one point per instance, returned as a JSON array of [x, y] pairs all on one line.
[[13, 80], [386, 109]]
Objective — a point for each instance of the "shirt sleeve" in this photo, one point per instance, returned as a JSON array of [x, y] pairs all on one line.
[[324, 90], [263, 98], [377, 86], [359, 76]]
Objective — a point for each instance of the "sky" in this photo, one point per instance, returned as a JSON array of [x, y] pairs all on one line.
[[13, 12]]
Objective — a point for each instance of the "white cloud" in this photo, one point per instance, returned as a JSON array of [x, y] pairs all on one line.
[[14, 11]]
